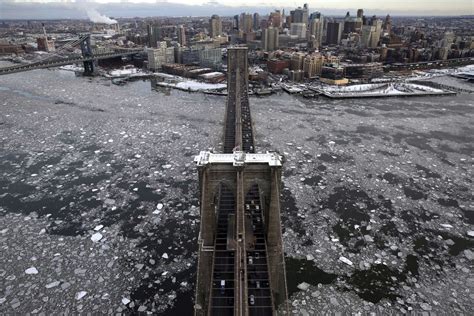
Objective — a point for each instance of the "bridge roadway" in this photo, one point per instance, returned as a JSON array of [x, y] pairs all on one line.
[[66, 61], [240, 277]]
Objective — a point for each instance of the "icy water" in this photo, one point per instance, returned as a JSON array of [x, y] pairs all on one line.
[[99, 208]]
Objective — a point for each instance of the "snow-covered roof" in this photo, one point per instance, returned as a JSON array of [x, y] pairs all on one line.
[[212, 74], [238, 158]]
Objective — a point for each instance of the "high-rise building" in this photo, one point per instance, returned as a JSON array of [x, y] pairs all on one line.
[[160, 55], [334, 33], [375, 38], [388, 24], [246, 21], [448, 39], [210, 57], [297, 61], [270, 39], [313, 65], [300, 15], [350, 24], [235, 22], [275, 19], [45, 44], [215, 26], [298, 29], [360, 14], [256, 21], [181, 35], [366, 36], [154, 35], [316, 27]]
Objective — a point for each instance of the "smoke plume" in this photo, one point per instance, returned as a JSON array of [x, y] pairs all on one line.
[[96, 17]]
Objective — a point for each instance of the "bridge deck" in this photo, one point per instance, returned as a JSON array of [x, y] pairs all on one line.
[[64, 61], [238, 133]]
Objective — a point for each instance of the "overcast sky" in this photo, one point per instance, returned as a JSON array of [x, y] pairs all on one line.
[[54, 9]]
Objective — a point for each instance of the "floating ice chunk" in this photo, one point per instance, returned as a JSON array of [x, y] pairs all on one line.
[[52, 284], [125, 301], [166, 166], [165, 256], [470, 233], [446, 225], [303, 286], [138, 156], [159, 206], [98, 227], [109, 201], [309, 257], [469, 254], [425, 307], [345, 260], [368, 238], [31, 270], [96, 237], [80, 294]]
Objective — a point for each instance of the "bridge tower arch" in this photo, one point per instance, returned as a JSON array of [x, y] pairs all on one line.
[[89, 65]]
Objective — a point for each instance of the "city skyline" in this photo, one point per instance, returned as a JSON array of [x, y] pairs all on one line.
[[54, 9]]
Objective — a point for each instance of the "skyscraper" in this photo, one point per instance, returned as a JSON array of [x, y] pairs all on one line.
[[181, 35], [388, 24], [366, 36], [300, 15], [375, 38], [334, 33], [154, 35], [270, 39], [298, 29], [246, 21], [215, 26], [350, 24], [275, 19], [316, 27], [235, 22], [256, 21]]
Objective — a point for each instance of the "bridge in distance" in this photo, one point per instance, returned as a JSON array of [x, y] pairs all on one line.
[[88, 57]]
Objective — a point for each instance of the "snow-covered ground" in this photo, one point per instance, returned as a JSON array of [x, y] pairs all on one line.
[[192, 85], [380, 89], [123, 72], [72, 68]]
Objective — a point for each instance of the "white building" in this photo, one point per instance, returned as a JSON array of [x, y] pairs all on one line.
[[159, 56], [298, 29]]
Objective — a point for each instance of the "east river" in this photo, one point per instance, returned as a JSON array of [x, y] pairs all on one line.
[[99, 208]]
